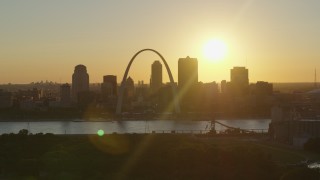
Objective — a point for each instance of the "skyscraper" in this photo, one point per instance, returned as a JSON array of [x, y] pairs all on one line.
[[80, 81], [109, 86], [129, 88], [156, 76], [239, 80], [187, 82], [187, 72]]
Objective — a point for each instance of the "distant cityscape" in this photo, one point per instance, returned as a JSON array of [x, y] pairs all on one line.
[[236, 98]]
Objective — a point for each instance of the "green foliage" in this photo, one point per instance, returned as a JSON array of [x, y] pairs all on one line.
[[23, 132], [45, 156]]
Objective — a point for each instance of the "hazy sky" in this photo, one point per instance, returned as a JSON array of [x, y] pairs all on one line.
[[278, 40]]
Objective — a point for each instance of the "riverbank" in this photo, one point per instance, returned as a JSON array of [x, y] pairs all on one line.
[[78, 126], [62, 114]]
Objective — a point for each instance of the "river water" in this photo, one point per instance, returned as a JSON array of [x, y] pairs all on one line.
[[136, 126]]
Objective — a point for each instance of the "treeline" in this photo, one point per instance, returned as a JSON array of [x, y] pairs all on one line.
[[47, 156]]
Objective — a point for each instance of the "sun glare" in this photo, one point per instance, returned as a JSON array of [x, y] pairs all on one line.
[[215, 50]]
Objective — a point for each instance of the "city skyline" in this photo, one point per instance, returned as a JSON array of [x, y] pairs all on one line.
[[277, 41]]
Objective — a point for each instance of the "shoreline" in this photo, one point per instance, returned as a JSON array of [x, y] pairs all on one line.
[[119, 119]]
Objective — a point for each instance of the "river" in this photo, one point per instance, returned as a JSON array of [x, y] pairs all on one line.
[[136, 126]]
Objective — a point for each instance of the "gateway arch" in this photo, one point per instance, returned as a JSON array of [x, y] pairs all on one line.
[[123, 83]]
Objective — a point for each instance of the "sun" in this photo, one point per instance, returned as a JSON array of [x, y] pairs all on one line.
[[215, 50]]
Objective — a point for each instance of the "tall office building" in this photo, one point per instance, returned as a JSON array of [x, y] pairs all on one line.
[[187, 82], [239, 75], [80, 81], [65, 94], [239, 80], [156, 76], [109, 86], [129, 88], [187, 72]]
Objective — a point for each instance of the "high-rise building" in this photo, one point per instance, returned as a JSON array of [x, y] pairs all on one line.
[[65, 94], [109, 86], [129, 88], [187, 83], [239, 75], [80, 81], [187, 72], [239, 80], [156, 76]]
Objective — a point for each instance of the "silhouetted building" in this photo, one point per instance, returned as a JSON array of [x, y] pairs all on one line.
[[141, 92], [129, 88], [86, 99], [187, 82], [80, 81], [263, 88], [205, 97], [187, 72], [109, 86], [223, 86], [65, 94], [287, 125], [29, 95], [6, 99], [156, 76], [239, 80], [163, 99]]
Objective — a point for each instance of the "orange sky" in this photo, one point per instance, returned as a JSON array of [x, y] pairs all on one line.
[[278, 41]]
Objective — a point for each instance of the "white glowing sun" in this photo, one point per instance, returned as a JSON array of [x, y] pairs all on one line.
[[215, 50]]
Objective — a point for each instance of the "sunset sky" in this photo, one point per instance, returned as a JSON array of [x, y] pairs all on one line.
[[277, 40]]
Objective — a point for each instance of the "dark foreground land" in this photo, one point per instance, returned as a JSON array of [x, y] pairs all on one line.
[[152, 156]]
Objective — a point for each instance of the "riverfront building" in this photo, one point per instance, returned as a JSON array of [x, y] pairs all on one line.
[[187, 82], [239, 77], [187, 72], [109, 86], [65, 94], [80, 81], [289, 127], [129, 88], [156, 76]]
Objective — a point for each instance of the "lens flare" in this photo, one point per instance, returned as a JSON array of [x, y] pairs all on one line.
[[100, 132]]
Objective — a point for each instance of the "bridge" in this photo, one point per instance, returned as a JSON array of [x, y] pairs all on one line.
[[209, 130], [214, 122]]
